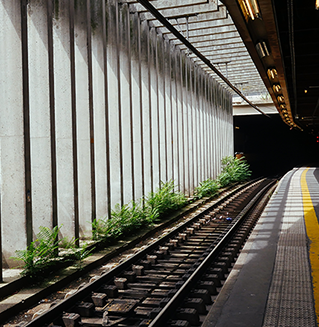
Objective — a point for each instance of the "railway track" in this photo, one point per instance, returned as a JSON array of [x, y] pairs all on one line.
[[173, 281]]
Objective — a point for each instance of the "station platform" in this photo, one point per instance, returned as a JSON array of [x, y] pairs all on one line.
[[275, 281]]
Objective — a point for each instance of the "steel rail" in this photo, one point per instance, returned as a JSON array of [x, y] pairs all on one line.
[[56, 310], [173, 30], [168, 311]]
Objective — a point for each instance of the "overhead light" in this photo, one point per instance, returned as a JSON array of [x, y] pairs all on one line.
[[317, 4], [272, 73], [262, 49], [276, 88], [306, 91], [281, 99], [249, 9]]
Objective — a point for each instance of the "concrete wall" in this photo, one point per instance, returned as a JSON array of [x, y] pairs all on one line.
[[96, 109]]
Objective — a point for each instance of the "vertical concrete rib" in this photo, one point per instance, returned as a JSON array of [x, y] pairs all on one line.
[[126, 100], [171, 72], [113, 104], [129, 54], [164, 72], [182, 140], [157, 58], [74, 123], [107, 128], [200, 126], [178, 106], [117, 44], [99, 103], [26, 118], [141, 102], [186, 133], [145, 104], [39, 112], [136, 107], [210, 127], [12, 175], [195, 109], [205, 130], [198, 152], [91, 110], [209, 172], [191, 127], [52, 114], [150, 110], [175, 115]]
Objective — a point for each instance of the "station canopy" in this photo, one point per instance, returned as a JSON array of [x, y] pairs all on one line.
[[209, 28]]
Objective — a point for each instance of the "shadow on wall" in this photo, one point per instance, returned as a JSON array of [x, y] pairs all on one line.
[[270, 147]]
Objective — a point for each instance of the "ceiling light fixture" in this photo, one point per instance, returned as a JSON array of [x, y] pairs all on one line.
[[317, 4], [272, 73], [249, 9], [276, 88], [262, 49]]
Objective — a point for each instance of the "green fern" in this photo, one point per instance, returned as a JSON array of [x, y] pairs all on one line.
[[40, 254], [209, 187]]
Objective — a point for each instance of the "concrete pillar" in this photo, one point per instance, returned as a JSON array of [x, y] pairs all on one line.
[[145, 82], [153, 114], [114, 104], [162, 150], [99, 104], [82, 118], [180, 119], [11, 133], [190, 134], [168, 108], [63, 111], [137, 112], [39, 115], [126, 103], [174, 109]]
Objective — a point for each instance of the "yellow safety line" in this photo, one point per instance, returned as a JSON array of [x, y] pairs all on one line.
[[312, 228]]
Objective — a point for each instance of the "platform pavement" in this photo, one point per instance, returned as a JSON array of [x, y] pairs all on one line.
[[271, 282]]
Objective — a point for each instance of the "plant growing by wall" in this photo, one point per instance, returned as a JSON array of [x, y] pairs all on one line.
[[79, 254], [40, 254], [130, 217], [233, 170], [124, 220], [209, 187], [165, 199], [43, 253]]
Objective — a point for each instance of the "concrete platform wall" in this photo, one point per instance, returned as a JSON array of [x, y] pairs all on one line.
[[96, 109]]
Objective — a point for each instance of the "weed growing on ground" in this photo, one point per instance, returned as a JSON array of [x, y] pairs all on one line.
[[233, 170], [40, 254], [165, 199], [209, 187], [43, 253]]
